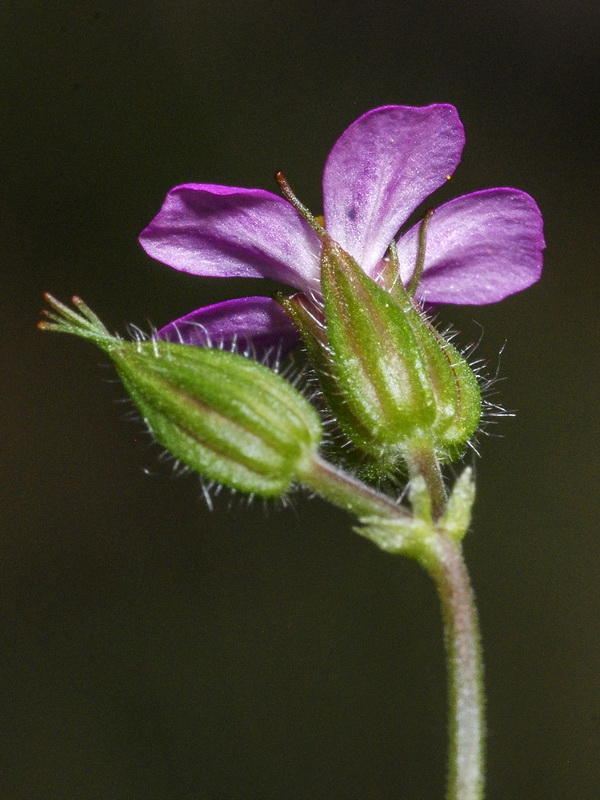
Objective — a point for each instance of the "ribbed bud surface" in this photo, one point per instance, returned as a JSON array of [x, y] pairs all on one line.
[[225, 416], [393, 382]]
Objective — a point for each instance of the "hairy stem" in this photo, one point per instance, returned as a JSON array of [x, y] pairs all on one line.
[[424, 462], [442, 558], [348, 492], [465, 674]]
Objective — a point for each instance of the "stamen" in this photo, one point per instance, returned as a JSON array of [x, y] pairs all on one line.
[[289, 195], [416, 276]]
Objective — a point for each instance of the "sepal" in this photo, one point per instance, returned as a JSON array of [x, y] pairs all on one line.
[[404, 384]]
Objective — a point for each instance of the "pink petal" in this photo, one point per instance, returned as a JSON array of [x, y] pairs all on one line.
[[381, 168], [225, 232], [254, 324], [480, 248]]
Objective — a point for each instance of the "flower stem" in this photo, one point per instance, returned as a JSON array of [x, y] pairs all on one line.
[[465, 674], [346, 491], [442, 557], [424, 462]]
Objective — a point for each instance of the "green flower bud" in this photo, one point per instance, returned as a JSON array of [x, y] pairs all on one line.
[[408, 386], [225, 416], [366, 458], [393, 383]]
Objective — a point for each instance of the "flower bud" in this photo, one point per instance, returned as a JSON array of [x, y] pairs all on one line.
[[310, 322], [227, 417], [393, 383]]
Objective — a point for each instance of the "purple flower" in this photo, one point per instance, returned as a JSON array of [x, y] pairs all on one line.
[[480, 248]]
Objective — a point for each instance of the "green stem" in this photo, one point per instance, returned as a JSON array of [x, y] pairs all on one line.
[[424, 462], [442, 558], [465, 674], [446, 565], [346, 491]]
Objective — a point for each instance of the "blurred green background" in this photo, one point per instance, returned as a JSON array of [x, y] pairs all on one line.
[[151, 649]]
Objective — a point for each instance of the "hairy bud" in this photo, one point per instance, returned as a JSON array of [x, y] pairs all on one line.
[[225, 416], [393, 383]]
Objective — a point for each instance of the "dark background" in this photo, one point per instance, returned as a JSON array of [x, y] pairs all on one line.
[[151, 649]]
